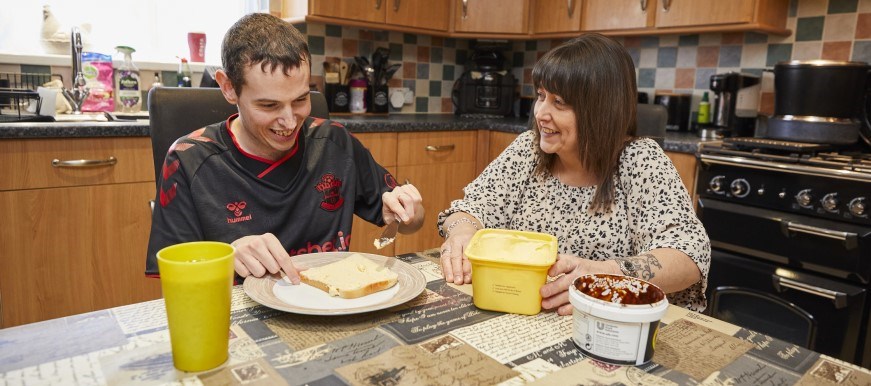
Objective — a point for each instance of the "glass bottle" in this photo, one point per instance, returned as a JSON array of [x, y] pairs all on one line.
[[184, 73]]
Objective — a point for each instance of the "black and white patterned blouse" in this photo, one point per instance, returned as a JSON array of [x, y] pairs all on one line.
[[652, 209]]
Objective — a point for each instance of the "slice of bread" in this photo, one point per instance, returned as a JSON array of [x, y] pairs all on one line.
[[352, 277]]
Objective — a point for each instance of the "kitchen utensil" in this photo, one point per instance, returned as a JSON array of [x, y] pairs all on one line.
[[344, 74], [388, 236], [389, 71]]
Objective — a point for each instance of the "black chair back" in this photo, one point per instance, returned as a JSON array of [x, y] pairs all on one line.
[[176, 111]]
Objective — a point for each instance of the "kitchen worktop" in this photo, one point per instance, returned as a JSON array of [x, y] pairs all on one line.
[[683, 142]]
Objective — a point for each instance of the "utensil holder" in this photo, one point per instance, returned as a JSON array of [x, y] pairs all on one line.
[[338, 98], [378, 99]]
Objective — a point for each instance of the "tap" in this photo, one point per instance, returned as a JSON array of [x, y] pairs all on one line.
[[79, 91]]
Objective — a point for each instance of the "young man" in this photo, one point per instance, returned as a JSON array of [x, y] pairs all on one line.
[[271, 180]]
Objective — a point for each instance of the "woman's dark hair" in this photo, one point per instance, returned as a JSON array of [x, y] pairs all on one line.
[[596, 77], [265, 39]]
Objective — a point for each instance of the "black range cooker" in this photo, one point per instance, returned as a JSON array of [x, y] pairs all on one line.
[[791, 241]]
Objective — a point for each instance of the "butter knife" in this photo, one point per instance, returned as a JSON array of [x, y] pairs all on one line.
[[388, 236]]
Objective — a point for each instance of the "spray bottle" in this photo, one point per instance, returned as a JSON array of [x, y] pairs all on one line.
[[128, 84]]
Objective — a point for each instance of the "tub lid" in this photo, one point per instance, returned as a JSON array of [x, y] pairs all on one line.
[[512, 247]]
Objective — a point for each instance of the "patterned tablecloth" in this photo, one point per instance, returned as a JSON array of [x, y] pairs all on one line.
[[438, 338]]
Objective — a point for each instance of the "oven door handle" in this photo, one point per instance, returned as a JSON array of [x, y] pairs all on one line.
[[850, 239], [838, 298]]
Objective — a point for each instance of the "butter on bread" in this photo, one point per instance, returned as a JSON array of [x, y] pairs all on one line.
[[352, 277]]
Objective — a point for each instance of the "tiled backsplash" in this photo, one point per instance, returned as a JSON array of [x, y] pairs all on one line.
[[822, 29], [833, 29]]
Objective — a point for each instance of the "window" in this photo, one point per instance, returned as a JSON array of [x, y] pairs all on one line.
[[157, 29]]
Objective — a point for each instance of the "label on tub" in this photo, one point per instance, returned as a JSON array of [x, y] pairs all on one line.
[[615, 342]]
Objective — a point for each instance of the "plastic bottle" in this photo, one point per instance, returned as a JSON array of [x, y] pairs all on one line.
[[184, 73], [705, 109], [156, 82], [358, 95], [128, 94]]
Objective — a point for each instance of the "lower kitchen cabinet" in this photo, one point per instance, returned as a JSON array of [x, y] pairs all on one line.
[[685, 164], [77, 236], [440, 164], [383, 149]]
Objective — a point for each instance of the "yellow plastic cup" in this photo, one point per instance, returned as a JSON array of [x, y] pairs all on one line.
[[197, 280]]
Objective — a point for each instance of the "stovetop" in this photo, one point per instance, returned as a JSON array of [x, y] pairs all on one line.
[[809, 179], [854, 159]]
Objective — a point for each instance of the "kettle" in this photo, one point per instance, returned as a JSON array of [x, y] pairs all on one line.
[[736, 103]]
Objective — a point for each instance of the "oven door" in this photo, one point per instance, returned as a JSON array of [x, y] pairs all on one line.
[[828, 247], [796, 278], [805, 309]]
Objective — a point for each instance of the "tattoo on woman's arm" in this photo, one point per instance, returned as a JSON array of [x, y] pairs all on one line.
[[640, 266]]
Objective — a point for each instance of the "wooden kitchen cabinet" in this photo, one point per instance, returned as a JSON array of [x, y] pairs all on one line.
[[481, 18], [686, 166], [440, 164], [425, 14], [78, 237], [404, 15], [360, 10], [608, 15], [556, 16], [383, 149], [636, 17]]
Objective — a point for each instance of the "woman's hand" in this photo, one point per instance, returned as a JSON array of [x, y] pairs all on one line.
[[555, 295], [455, 265], [259, 254]]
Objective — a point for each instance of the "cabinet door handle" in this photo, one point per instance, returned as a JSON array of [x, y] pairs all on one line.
[[571, 8], [666, 5], [377, 4], [84, 163], [439, 147], [396, 5], [849, 239], [838, 298], [643, 5], [465, 8]]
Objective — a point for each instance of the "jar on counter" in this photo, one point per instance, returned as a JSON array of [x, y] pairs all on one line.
[[358, 95]]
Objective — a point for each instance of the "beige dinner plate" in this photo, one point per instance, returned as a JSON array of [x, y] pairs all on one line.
[[304, 299]]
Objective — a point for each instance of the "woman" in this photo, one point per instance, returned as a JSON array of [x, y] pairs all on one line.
[[614, 201]]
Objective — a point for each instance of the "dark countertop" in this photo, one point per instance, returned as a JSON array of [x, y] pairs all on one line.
[[683, 142]]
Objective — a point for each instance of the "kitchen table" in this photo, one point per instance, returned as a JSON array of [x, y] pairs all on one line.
[[438, 338]]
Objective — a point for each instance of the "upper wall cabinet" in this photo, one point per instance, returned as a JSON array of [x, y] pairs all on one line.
[[530, 19], [639, 17], [554, 16], [431, 16], [608, 15], [482, 18], [426, 14], [362, 10]]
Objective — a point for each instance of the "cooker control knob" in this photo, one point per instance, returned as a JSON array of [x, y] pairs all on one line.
[[857, 206], [718, 184], [740, 188], [830, 202], [804, 198]]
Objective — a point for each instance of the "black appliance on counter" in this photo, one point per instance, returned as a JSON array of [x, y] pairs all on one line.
[[736, 101], [819, 101], [791, 241], [486, 87]]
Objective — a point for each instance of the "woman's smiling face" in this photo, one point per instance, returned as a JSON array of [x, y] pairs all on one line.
[[557, 125]]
